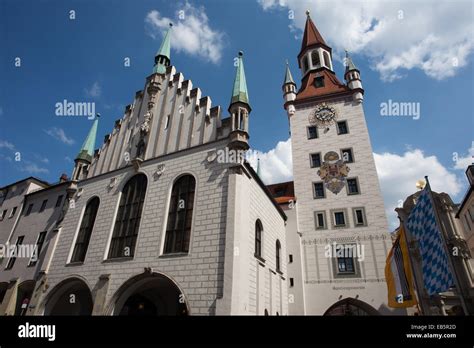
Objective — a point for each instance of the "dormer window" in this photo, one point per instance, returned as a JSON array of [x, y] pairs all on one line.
[[319, 81]]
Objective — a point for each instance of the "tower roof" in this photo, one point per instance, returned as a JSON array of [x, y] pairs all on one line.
[[165, 47], [87, 150], [311, 36], [349, 63], [288, 76], [239, 91]]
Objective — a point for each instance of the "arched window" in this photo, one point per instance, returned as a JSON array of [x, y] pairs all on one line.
[[315, 59], [277, 255], [327, 61], [258, 238], [128, 217], [85, 231], [305, 64], [180, 215]]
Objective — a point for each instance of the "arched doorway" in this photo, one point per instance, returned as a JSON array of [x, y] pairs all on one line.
[[70, 297], [351, 307], [23, 297], [149, 294]]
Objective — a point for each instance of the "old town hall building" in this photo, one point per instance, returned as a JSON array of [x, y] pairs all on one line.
[[155, 223]]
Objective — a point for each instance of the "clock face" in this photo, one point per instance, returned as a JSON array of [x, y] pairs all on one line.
[[323, 116]]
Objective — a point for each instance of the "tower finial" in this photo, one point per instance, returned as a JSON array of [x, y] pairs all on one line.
[[308, 12]]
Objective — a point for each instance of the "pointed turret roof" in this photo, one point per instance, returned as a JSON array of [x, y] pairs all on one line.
[[87, 150], [165, 48], [311, 35], [349, 63], [163, 56], [239, 91], [288, 76]]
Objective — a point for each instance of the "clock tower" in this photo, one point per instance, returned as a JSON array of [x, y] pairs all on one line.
[[340, 212]]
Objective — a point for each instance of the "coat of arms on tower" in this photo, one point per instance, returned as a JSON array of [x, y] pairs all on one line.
[[333, 172]]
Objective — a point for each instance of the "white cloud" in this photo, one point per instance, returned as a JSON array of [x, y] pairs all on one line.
[[68, 159], [395, 36], [191, 34], [59, 134], [42, 159], [32, 168], [463, 162], [275, 165], [93, 91], [398, 175], [7, 145]]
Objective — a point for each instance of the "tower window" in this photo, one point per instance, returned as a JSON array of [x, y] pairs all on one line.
[[128, 217], [315, 59], [352, 187], [318, 190], [319, 81], [315, 160], [312, 132], [327, 61], [290, 258], [320, 220], [167, 123], [292, 282], [345, 265], [180, 214], [359, 217], [339, 218], [4, 213], [347, 155], [342, 128], [305, 63]]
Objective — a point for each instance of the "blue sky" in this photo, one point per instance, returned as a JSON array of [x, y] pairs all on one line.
[[421, 56]]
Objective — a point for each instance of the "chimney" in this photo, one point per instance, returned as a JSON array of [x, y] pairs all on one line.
[[63, 178]]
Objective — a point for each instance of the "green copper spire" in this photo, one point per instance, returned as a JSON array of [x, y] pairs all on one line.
[[288, 77], [239, 92], [349, 63], [163, 56], [87, 149]]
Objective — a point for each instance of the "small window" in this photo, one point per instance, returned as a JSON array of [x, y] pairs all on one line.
[[315, 160], [320, 220], [167, 123], [258, 239], [4, 213], [359, 217], [318, 190], [28, 211], [305, 64], [58, 202], [277, 255], [327, 61], [12, 260], [290, 258], [342, 128], [345, 265], [292, 282], [39, 246], [12, 214], [43, 205], [312, 132], [319, 81], [339, 218], [347, 155], [352, 187], [467, 222]]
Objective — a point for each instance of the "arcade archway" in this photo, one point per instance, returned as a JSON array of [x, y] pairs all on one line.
[[70, 297], [351, 307]]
